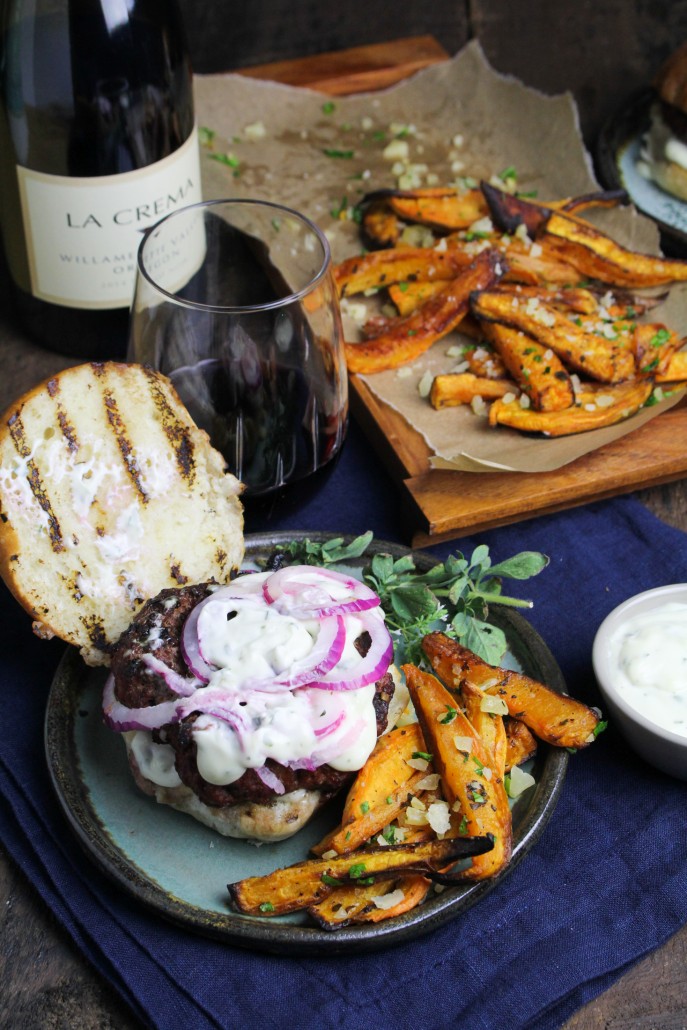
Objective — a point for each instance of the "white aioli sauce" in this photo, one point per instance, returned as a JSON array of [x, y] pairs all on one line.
[[287, 725], [649, 653]]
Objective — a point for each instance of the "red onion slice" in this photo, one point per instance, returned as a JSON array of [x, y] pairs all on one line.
[[305, 591], [368, 668], [270, 779], [179, 684], [121, 718]]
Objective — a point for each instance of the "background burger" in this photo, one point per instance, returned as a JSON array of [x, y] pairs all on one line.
[[245, 701], [664, 148]]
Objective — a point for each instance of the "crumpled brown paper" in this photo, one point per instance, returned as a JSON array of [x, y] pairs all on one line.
[[299, 148]]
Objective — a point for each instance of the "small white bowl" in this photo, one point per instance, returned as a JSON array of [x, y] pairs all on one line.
[[661, 747]]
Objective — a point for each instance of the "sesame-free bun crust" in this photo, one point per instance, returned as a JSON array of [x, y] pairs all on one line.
[[108, 494]]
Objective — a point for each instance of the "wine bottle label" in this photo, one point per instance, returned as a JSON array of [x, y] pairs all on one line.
[[82, 234]]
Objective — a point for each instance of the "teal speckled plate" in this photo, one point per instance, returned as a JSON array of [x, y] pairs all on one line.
[[179, 869]]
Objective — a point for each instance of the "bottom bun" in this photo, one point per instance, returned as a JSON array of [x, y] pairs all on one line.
[[249, 820]]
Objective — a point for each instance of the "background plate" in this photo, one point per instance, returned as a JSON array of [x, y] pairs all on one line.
[[618, 149], [179, 868]]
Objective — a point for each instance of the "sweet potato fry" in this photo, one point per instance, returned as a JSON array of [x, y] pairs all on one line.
[[466, 773], [654, 346], [456, 388], [590, 353], [555, 718], [594, 408], [306, 883], [402, 264], [489, 725], [536, 369], [378, 792], [416, 334], [409, 296], [509, 210], [353, 905], [676, 371], [521, 745], [438, 207], [593, 253], [598, 256], [380, 226]]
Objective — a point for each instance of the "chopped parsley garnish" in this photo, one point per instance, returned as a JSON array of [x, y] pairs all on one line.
[[357, 870], [365, 807], [331, 881], [328, 107], [451, 714], [424, 755], [266, 906], [659, 338], [333, 152]]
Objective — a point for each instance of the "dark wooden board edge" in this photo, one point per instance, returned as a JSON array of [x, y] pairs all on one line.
[[357, 69], [440, 504]]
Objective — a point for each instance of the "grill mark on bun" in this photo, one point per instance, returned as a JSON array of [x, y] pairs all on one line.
[[118, 426], [175, 431], [16, 429]]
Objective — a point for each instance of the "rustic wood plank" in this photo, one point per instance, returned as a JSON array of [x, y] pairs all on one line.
[[357, 69], [442, 504]]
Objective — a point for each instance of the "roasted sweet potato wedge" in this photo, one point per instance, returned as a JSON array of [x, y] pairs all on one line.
[[555, 718], [379, 791], [456, 388], [306, 883], [383, 900], [380, 226], [598, 256], [412, 336], [488, 724], [401, 264], [409, 296], [464, 764], [509, 211], [654, 346], [594, 408], [439, 207], [676, 371], [536, 369], [521, 744], [590, 353], [593, 253]]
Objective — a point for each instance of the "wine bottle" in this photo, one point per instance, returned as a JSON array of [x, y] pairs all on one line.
[[97, 143]]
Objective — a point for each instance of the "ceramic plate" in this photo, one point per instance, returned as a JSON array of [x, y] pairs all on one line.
[[179, 869], [618, 150]]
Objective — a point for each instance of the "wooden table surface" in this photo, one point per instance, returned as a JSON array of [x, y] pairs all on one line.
[[45, 981]]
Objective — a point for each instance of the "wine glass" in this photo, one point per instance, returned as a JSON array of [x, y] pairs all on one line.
[[235, 302]]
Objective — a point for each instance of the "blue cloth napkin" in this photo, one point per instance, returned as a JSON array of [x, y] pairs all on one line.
[[605, 884]]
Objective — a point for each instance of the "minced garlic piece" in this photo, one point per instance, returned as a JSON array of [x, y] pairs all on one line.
[[389, 900], [256, 130]]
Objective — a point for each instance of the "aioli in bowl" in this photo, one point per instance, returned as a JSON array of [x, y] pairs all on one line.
[[640, 662], [648, 654]]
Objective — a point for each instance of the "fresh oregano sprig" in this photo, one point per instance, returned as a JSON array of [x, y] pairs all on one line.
[[453, 595]]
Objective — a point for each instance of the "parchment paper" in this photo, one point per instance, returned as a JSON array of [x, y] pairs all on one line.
[[297, 147]]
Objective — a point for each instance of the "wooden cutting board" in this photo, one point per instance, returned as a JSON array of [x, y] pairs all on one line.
[[443, 505]]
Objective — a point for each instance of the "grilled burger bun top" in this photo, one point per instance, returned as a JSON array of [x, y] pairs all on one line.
[[664, 150], [108, 494]]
